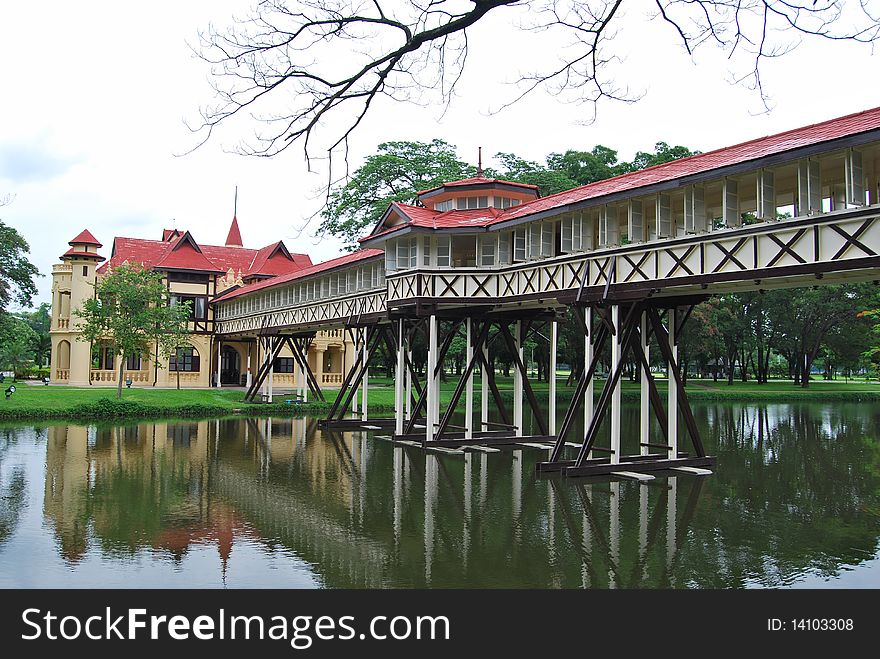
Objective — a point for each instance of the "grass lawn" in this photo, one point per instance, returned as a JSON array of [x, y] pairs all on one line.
[[34, 401]]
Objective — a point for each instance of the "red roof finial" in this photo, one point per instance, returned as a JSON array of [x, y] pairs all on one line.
[[233, 239]]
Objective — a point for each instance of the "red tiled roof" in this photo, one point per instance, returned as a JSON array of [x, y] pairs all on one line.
[[168, 234], [87, 255], [155, 253], [233, 238], [185, 254], [427, 218], [755, 149], [477, 180], [761, 147], [345, 259], [85, 238]]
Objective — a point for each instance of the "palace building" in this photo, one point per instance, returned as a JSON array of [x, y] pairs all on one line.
[[193, 273]]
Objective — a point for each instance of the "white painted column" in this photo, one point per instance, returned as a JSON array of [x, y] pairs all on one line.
[[588, 358], [469, 385], [365, 384], [249, 376], [672, 412], [517, 381], [271, 374], [430, 380], [354, 361], [219, 357], [554, 337], [409, 384], [644, 395], [615, 393], [484, 389], [399, 381]]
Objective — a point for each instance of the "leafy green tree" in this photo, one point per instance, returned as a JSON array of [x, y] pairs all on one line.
[[132, 309], [40, 321], [394, 173], [663, 153], [16, 344], [16, 272]]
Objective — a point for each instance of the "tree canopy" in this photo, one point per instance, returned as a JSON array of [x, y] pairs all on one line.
[[132, 309], [400, 169], [17, 273]]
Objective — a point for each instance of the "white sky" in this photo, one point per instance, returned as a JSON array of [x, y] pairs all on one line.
[[94, 97]]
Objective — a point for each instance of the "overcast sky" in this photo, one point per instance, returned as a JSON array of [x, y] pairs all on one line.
[[95, 96]]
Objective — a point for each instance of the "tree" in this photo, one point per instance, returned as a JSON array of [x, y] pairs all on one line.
[[394, 173], [303, 68], [132, 309], [16, 344], [40, 321], [16, 272]]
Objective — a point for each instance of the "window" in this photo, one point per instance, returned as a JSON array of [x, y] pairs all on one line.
[[134, 362], [198, 309], [284, 365], [487, 251], [184, 359], [406, 253], [469, 203], [519, 245], [390, 256], [444, 251], [547, 238], [444, 206], [464, 251], [504, 248], [85, 271], [103, 357], [191, 277], [534, 240], [504, 202]]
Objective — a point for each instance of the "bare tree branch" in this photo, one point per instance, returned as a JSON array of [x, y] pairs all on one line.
[[311, 71]]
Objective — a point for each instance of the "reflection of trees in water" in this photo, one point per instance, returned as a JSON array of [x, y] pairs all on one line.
[[793, 491], [13, 486]]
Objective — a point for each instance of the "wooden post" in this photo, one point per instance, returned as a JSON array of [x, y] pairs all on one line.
[[554, 336], [672, 407], [615, 393], [469, 391], [399, 380], [409, 381], [365, 356], [249, 378], [517, 381], [484, 389], [644, 393], [433, 379], [588, 359], [219, 358], [271, 373]]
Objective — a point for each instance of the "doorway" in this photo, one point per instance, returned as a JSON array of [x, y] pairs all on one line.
[[230, 366]]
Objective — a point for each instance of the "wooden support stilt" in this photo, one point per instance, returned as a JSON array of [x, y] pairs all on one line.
[[644, 393], [399, 380], [469, 390], [433, 379], [616, 365], [554, 336]]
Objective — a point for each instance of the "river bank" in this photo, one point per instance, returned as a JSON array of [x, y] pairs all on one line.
[[34, 402]]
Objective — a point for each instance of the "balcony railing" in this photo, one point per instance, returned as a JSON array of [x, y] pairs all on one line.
[[62, 374], [838, 242]]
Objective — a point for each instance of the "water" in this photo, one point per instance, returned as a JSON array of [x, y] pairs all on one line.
[[795, 501]]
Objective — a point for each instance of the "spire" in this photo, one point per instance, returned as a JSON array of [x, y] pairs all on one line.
[[479, 162], [233, 238]]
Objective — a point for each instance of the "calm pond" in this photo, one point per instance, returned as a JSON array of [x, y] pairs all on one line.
[[795, 501]]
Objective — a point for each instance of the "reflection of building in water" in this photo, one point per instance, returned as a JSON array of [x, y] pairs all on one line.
[[366, 513], [136, 486]]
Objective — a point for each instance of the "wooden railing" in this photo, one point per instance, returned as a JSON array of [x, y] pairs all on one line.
[[767, 254]]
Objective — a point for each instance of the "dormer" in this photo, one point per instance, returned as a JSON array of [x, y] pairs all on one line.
[[477, 192], [84, 246]]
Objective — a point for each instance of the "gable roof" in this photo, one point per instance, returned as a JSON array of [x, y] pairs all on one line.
[[703, 163], [173, 255], [318, 268]]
